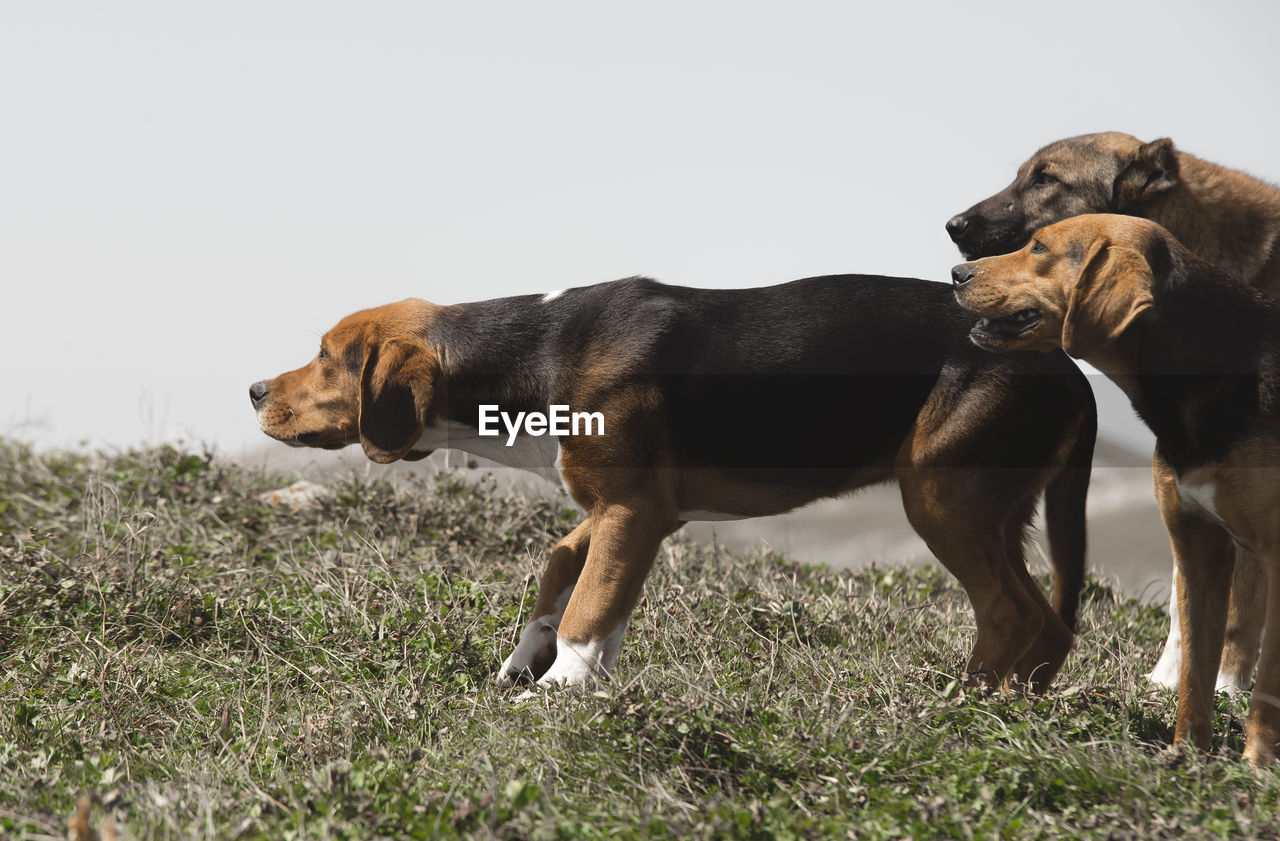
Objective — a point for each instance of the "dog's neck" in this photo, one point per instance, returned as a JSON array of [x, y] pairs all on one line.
[[493, 352], [1226, 217], [1198, 366]]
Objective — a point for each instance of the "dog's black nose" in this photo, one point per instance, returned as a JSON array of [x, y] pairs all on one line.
[[962, 274], [258, 393], [956, 226]]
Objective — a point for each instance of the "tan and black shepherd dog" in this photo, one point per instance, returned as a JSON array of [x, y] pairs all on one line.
[[1226, 217], [1198, 354]]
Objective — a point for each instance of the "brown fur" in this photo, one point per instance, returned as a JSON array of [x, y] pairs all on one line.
[[1225, 216], [80, 829], [374, 384], [332, 404], [1092, 277]]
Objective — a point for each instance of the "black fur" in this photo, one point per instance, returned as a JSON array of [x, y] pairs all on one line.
[[1206, 352], [793, 384]]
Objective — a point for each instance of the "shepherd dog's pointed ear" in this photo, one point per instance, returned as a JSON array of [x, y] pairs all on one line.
[[396, 387], [1112, 290], [1151, 170]]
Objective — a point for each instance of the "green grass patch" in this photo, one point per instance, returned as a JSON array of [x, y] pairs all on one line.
[[206, 666]]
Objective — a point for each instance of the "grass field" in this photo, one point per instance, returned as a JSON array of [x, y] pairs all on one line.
[[206, 666]]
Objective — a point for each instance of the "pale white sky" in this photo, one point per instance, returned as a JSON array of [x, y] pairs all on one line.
[[191, 194]]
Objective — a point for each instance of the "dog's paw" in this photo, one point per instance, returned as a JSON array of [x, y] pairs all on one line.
[[1233, 686], [577, 664], [1168, 668], [1259, 756], [534, 655]]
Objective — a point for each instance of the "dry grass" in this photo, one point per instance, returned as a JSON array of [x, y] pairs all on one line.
[[206, 666]]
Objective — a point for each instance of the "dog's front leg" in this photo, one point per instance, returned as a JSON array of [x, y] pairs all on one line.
[[1262, 736], [1203, 556], [1246, 613], [536, 650], [625, 538]]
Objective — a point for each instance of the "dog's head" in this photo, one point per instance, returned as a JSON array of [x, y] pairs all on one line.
[[1078, 284], [372, 382], [1093, 173]]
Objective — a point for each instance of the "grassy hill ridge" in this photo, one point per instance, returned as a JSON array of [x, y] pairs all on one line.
[[207, 666]]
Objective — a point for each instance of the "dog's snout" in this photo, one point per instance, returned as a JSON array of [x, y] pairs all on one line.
[[957, 225], [258, 393], [962, 274]]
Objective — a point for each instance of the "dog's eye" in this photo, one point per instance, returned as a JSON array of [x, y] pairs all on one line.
[[1038, 247], [1043, 179]]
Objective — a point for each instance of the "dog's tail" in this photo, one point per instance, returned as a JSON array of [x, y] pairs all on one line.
[[1064, 514]]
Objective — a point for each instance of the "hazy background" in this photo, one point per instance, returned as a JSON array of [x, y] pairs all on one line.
[[190, 195]]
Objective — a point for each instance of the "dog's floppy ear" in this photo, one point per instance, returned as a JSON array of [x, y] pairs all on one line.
[[396, 385], [1113, 289], [1150, 170]]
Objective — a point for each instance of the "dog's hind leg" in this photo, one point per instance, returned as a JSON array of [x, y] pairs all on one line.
[[1262, 736], [1168, 667], [1065, 497], [536, 649], [1040, 664], [1246, 616], [965, 525]]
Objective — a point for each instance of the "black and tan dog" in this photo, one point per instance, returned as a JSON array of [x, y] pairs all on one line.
[[1225, 216], [723, 404], [1199, 356]]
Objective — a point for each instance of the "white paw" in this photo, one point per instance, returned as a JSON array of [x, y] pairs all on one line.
[[1168, 669], [1232, 685], [538, 635], [577, 664]]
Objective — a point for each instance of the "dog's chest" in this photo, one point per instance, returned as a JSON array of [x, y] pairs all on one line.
[[1200, 497], [537, 454], [1206, 493]]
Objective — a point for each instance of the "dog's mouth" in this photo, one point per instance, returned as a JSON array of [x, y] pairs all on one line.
[[1004, 328], [280, 421]]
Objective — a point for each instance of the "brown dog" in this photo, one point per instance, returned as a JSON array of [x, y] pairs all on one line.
[[1198, 353], [725, 404], [1226, 217]]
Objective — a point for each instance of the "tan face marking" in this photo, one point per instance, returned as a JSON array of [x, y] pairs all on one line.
[[1076, 284], [316, 405], [1022, 297], [319, 404]]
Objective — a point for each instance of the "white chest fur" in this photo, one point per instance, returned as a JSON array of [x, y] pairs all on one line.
[[1199, 496], [537, 454]]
